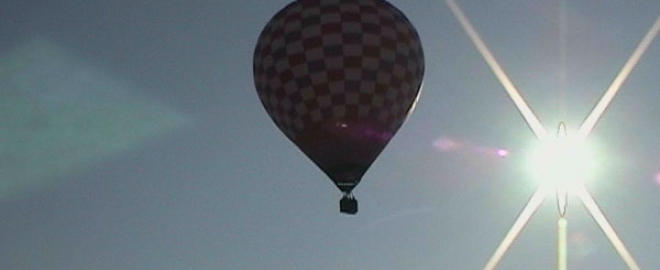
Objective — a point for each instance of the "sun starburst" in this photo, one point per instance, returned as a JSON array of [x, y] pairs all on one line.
[[560, 164]]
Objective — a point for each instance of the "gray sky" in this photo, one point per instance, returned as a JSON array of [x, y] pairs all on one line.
[[229, 191]]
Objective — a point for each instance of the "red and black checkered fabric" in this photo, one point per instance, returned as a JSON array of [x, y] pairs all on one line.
[[338, 59]]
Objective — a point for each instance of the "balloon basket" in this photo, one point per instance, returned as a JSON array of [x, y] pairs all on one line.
[[348, 205]]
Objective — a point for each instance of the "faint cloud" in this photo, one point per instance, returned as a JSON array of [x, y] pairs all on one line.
[[582, 245], [398, 216], [445, 144]]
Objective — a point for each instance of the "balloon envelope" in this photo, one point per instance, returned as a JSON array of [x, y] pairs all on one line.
[[339, 78]]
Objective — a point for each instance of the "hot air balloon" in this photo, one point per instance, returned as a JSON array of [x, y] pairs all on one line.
[[339, 78]]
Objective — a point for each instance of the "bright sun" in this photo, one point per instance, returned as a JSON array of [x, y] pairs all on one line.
[[562, 163]]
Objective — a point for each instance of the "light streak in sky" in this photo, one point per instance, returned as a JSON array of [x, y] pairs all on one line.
[[515, 96], [527, 212], [535, 125], [562, 226], [607, 229], [595, 115]]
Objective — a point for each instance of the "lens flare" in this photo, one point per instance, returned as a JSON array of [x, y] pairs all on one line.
[[532, 205], [607, 229], [563, 163], [530, 117], [447, 144], [602, 105], [502, 153]]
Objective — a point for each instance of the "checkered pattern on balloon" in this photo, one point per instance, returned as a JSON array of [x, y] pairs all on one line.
[[339, 78]]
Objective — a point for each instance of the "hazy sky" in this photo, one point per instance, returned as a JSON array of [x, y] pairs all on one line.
[[229, 191]]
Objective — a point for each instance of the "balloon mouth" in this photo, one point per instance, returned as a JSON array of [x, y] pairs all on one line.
[[346, 176]]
